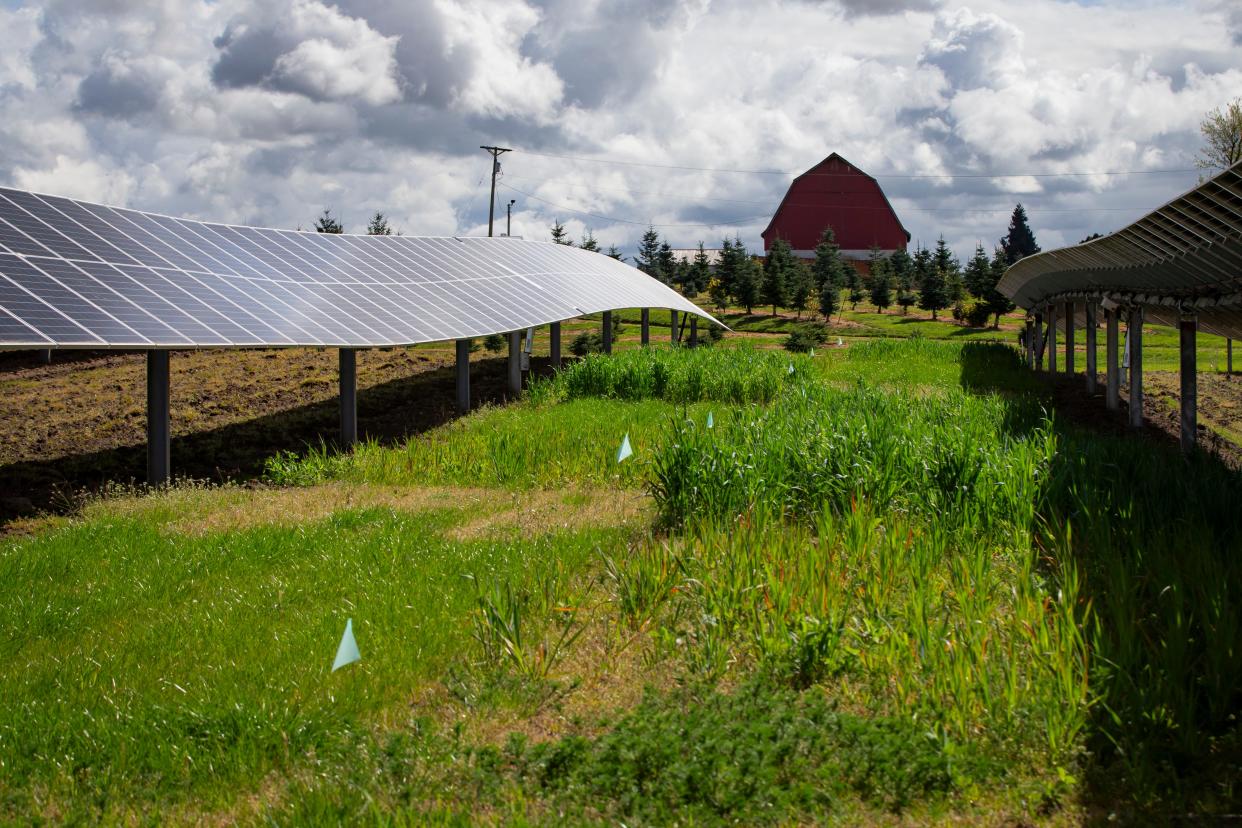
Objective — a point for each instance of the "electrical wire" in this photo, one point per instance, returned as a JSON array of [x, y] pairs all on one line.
[[840, 175]]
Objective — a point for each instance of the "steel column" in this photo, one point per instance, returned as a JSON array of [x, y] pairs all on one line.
[[554, 334], [1188, 328], [694, 331], [515, 363], [348, 371], [45, 356], [1134, 331], [1052, 339], [159, 431], [1112, 380], [607, 332], [463, 376], [673, 328], [1091, 358], [646, 326], [1039, 342], [1228, 356], [1069, 338]]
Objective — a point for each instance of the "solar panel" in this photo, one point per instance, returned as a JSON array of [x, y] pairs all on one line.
[[80, 275]]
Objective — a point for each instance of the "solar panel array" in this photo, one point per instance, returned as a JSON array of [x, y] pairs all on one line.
[[79, 275]]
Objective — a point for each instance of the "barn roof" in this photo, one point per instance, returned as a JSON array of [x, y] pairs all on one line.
[[834, 157]]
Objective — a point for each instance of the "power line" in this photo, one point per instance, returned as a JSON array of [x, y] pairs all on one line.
[[770, 202], [727, 223], [842, 175]]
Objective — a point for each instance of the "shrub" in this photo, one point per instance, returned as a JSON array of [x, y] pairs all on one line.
[[971, 311], [587, 342], [494, 343], [806, 337]]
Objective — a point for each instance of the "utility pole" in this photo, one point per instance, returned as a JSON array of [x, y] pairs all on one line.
[[491, 204], [509, 217]]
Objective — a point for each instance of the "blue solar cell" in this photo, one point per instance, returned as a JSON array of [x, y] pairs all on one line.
[[53, 310], [59, 244]]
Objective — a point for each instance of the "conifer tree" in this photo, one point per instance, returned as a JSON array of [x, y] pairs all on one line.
[[978, 275], [922, 266], [327, 224], [560, 235], [648, 258], [902, 267], [881, 281], [799, 286], [998, 303], [776, 274], [378, 226], [727, 270], [748, 282], [826, 268], [945, 262], [614, 253], [588, 242], [933, 295], [1020, 240], [667, 264], [700, 272]]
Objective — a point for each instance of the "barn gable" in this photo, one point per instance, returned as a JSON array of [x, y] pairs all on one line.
[[834, 193]]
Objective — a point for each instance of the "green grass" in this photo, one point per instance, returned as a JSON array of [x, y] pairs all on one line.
[[886, 582], [143, 669]]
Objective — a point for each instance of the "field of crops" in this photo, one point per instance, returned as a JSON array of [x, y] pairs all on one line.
[[884, 584]]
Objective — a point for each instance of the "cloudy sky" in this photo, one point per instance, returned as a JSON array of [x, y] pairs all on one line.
[[690, 116]]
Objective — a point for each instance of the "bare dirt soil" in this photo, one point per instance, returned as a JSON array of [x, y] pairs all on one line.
[[80, 423]]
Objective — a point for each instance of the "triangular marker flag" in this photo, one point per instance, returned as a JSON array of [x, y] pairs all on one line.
[[791, 368], [840, 343], [625, 450], [347, 653], [812, 353], [710, 421]]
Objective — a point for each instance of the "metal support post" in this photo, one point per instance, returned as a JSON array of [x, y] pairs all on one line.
[[1112, 388], [607, 332], [1228, 356], [159, 431], [1052, 339], [45, 356], [348, 362], [1091, 358], [1134, 332], [694, 331], [1039, 342], [554, 344], [463, 376], [515, 363], [1069, 338], [646, 326], [673, 327], [1188, 328]]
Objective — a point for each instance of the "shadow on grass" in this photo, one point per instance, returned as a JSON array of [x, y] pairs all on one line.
[[388, 412], [1155, 540]]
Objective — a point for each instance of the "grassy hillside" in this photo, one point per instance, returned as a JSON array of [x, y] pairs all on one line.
[[881, 587]]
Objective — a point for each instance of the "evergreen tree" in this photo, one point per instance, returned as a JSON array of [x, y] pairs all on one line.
[[327, 224], [799, 286], [906, 298], [944, 261], [902, 267], [560, 235], [667, 264], [856, 294], [589, 242], [727, 269], [998, 303], [614, 253], [378, 226], [881, 281], [829, 299], [747, 287], [648, 258], [827, 267], [922, 266], [978, 275], [776, 274], [698, 274], [1020, 241], [933, 295]]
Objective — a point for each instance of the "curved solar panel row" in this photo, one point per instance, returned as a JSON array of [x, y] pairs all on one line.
[[76, 274], [1184, 255]]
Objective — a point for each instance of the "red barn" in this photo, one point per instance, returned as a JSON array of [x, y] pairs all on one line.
[[834, 193]]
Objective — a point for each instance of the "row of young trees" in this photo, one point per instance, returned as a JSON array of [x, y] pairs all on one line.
[[377, 226], [934, 280]]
